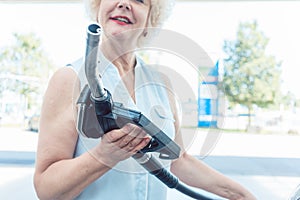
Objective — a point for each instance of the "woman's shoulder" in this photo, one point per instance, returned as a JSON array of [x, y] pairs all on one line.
[[62, 76], [62, 84]]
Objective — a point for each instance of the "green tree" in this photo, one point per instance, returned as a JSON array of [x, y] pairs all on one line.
[[251, 77], [24, 67]]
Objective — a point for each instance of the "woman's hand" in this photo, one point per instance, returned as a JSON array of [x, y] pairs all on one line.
[[120, 144]]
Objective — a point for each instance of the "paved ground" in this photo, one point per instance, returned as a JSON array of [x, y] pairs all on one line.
[[267, 165]]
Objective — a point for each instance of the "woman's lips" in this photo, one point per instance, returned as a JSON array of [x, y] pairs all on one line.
[[122, 20]]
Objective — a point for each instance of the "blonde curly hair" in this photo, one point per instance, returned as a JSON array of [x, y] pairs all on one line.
[[160, 10]]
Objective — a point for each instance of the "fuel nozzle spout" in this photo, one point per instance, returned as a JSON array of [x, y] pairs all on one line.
[[91, 54]]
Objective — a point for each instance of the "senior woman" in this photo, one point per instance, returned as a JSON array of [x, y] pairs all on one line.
[[69, 166]]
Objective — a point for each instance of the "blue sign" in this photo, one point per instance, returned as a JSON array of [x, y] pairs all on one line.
[[208, 99]]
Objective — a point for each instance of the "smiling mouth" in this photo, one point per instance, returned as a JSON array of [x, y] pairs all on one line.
[[122, 19]]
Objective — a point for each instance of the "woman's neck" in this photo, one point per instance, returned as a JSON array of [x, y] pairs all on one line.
[[120, 55], [124, 59]]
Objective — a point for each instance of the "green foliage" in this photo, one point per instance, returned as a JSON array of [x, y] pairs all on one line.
[[25, 57], [24, 65], [251, 77]]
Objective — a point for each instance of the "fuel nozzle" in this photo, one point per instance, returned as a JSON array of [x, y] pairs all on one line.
[[91, 70]]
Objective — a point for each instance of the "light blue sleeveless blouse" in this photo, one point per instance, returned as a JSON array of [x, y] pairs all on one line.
[[128, 180]]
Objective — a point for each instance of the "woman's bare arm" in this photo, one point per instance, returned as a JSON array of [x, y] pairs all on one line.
[[57, 174]]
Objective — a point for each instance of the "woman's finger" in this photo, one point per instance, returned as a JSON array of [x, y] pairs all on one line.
[[133, 138], [141, 145], [115, 135]]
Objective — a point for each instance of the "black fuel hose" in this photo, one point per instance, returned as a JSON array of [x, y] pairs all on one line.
[[152, 165]]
